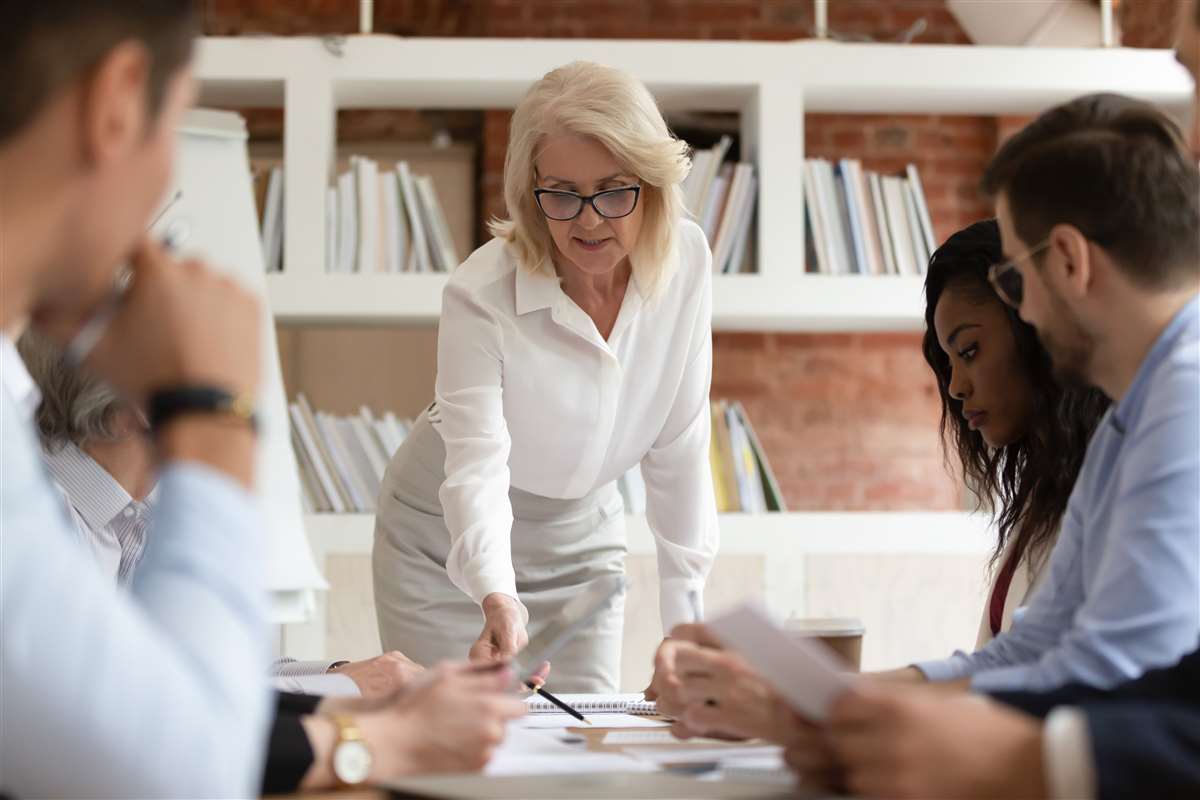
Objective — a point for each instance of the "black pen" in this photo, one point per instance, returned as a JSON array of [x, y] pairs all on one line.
[[540, 691]]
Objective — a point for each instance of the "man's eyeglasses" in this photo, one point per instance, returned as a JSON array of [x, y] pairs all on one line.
[[561, 206], [1006, 278]]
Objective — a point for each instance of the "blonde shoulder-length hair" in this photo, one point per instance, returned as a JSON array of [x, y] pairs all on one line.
[[616, 109]]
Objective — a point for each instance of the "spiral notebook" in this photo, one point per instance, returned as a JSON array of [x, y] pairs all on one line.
[[594, 704]]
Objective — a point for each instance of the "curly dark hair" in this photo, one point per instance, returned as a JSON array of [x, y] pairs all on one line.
[[1025, 484]]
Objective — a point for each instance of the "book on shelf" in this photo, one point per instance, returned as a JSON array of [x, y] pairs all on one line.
[[376, 220], [741, 474], [863, 223], [342, 459], [271, 230], [721, 197]]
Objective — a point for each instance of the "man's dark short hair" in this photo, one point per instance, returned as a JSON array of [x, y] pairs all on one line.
[[45, 45], [1117, 169]]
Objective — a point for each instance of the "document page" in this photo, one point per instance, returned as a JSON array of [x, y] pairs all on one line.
[[802, 670]]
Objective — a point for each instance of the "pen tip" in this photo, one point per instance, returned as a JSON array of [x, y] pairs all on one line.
[[587, 721]]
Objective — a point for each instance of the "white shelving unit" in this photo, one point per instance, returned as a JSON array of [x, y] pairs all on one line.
[[771, 85]]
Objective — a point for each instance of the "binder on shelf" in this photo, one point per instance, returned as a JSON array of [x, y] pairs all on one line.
[[272, 226], [918, 191], [366, 206], [726, 474], [442, 245], [745, 466], [920, 255], [347, 235], [875, 184], [773, 495], [420, 259], [897, 216], [306, 433], [849, 198]]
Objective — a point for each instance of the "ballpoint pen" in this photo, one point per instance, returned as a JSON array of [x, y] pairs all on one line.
[[540, 691], [85, 340]]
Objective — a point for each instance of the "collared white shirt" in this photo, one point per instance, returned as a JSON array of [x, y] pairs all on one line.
[[109, 522], [17, 380], [530, 395]]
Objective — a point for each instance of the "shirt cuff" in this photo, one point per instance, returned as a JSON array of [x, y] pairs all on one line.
[[481, 585], [675, 605], [1067, 751], [946, 669]]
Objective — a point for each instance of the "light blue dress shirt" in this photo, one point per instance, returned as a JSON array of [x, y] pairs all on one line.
[[1122, 594], [154, 692]]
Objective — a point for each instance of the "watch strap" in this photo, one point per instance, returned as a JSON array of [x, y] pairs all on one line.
[[166, 404]]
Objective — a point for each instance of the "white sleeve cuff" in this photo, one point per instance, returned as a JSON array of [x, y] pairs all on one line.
[[1067, 751], [676, 605]]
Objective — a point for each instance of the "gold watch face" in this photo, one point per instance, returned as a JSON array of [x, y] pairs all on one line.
[[351, 762]]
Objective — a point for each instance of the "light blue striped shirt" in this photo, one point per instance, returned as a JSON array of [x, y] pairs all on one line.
[[154, 692], [1122, 591]]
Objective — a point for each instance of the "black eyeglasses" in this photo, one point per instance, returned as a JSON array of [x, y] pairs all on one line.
[[610, 204], [1006, 278]]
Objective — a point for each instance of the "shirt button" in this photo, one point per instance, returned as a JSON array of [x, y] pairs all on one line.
[[128, 512]]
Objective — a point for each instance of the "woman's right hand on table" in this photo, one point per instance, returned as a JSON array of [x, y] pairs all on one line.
[[503, 633]]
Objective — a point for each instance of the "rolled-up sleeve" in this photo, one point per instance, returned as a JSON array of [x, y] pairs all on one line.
[[681, 509], [469, 415]]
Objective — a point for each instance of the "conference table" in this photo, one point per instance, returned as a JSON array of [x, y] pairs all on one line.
[[671, 783]]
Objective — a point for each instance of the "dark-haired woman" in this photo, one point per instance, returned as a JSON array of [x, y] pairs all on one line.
[[1019, 435]]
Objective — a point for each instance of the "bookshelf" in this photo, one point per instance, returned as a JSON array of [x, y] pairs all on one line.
[[771, 86]]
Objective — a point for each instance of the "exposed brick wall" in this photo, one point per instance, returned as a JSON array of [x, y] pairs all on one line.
[[849, 421], [1148, 23]]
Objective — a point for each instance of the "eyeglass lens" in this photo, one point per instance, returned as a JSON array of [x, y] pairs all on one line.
[[1010, 284], [611, 204]]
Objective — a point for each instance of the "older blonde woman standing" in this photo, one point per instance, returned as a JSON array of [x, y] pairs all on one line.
[[573, 346]]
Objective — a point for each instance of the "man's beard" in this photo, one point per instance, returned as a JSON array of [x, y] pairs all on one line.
[[1069, 345]]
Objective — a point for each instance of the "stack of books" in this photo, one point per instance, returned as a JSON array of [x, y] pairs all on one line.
[[721, 196], [375, 221], [742, 476], [386, 221], [342, 458], [864, 223]]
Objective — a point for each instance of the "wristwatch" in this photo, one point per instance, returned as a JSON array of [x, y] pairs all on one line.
[[351, 756]]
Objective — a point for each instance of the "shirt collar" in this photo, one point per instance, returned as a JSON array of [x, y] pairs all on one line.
[[1186, 319], [536, 290], [94, 493], [16, 379]]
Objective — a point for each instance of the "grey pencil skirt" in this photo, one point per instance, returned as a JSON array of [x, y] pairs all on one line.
[[557, 545]]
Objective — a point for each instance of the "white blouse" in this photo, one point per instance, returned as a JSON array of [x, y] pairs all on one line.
[[530, 395]]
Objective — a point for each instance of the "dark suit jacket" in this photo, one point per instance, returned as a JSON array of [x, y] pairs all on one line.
[[289, 754], [1145, 733]]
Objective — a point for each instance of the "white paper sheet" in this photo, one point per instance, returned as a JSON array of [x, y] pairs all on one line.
[[544, 752], [654, 737], [802, 670], [553, 721]]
